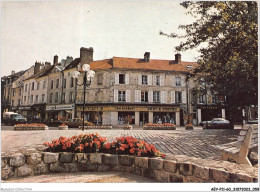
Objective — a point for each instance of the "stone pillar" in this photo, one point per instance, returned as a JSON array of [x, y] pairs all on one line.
[[114, 118], [243, 115], [223, 113], [106, 118], [199, 116], [137, 118], [178, 118], [73, 111], [150, 116]]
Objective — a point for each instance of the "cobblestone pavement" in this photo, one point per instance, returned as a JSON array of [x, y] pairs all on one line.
[[195, 143]]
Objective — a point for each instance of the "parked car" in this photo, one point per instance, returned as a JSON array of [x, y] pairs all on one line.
[[76, 122], [11, 118], [219, 123], [202, 123], [255, 121]]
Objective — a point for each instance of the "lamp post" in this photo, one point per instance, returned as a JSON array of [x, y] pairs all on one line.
[[88, 77]]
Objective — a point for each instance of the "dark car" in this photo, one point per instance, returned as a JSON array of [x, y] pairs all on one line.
[[202, 123], [219, 123]]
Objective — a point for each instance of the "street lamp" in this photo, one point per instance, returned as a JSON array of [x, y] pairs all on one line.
[[88, 77]]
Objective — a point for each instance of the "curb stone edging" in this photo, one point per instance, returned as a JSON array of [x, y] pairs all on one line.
[[180, 169]]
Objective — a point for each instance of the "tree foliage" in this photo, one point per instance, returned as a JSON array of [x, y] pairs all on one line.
[[226, 34]]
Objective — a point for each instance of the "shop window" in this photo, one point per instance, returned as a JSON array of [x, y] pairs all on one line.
[[43, 85], [157, 78], [178, 96], [64, 83], [52, 84], [43, 98], [31, 99], [178, 81], [164, 117], [156, 96], [38, 85], [36, 99], [56, 97], [202, 99], [144, 96], [126, 117], [100, 79], [57, 83], [33, 86], [51, 94], [121, 78], [71, 82], [71, 97], [121, 95], [144, 79]]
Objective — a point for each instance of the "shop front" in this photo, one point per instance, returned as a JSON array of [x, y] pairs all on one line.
[[26, 111], [59, 113], [133, 114], [209, 112]]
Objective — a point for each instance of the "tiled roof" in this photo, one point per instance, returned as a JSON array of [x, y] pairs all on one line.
[[135, 63], [73, 64], [41, 73]]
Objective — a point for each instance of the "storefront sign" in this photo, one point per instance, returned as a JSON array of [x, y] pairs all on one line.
[[60, 107], [25, 108], [208, 107], [129, 108]]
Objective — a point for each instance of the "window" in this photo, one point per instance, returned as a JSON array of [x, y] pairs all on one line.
[[12, 103], [38, 85], [19, 102], [64, 83], [63, 97], [31, 99], [71, 97], [43, 85], [33, 86], [51, 97], [25, 87], [156, 96], [43, 98], [144, 96], [202, 99], [24, 99], [121, 95], [178, 97], [144, 79], [13, 92], [178, 81], [100, 79], [215, 99], [20, 92], [52, 84], [121, 78], [56, 97], [157, 80], [71, 82], [36, 98], [57, 83]]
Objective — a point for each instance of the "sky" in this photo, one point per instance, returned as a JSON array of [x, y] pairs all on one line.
[[36, 31]]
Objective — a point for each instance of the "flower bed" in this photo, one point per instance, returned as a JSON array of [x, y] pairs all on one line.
[[32, 126], [63, 127], [189, 127], [91, 143], [96, 127], [164, 126], [128, 127]]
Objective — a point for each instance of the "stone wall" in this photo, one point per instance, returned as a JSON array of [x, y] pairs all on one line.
[[180, 168]]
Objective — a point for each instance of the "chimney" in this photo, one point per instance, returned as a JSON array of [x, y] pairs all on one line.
[[86, 55], [147, 57], [47, 64], [55, 59], [178, 58], [37, 67], [13, 72]]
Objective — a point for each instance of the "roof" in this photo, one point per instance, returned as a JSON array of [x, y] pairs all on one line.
[[137, 63], [73, 64], [16, 74], [41, 73]]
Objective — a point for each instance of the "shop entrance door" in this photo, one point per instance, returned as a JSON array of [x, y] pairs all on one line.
[[144, 118]]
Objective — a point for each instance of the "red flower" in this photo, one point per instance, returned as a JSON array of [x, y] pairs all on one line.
[[132, 151], [108, 145], [163, 155]]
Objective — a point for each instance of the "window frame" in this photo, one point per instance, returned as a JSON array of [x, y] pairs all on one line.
[[178, 81], [156, 96], [178, 98], [121, 96], [144, 79], [122, 79]]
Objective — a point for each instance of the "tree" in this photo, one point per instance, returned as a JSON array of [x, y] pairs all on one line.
[[226, 34]]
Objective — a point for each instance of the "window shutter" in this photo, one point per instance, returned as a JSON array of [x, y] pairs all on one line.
[[126, 79], [115, 95], [172, 96], [139, 79], [116, 78], [137, 95], [149, 79], [174, 81], [128, 95], [154, 79], [181, 81], [184, 97], [150, 96], [161, 80], [163, 96]]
